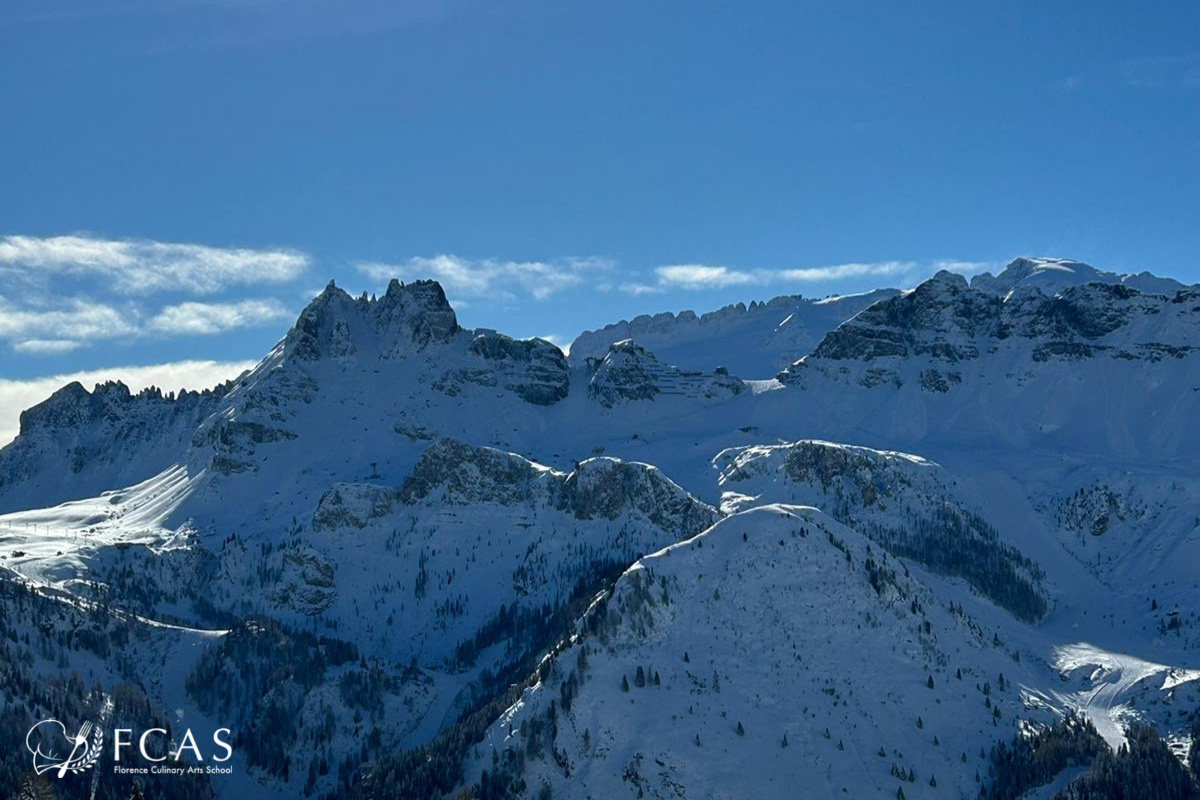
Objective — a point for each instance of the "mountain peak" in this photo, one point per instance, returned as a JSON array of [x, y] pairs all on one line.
[[1051, 275], [407, 318], [948, 279], [631, 372], [1023, 266]]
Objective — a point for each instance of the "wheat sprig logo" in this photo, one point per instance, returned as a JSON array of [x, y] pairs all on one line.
[[55, 750]]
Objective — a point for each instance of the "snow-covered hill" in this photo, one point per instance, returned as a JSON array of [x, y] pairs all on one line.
[[776, 650], [902, 502]]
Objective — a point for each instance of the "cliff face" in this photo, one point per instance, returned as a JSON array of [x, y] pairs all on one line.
[[629, 373], [947, 320]]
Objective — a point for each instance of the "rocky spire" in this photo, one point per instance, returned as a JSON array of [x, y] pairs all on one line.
[[406, 319]]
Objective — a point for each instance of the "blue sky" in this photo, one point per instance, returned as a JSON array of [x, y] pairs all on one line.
[[178, 175]]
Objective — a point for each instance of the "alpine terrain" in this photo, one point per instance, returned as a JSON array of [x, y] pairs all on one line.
[[934, 543]]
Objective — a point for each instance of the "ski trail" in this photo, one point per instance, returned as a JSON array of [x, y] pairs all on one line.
[[1109, 678]]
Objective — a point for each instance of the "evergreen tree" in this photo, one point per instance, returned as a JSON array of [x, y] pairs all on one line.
[[1194, 750], [1144, 768], [35, 787], [1034, 759]]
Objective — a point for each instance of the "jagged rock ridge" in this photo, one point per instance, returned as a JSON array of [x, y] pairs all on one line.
[[630, 372], [77, 442], [753, 341]]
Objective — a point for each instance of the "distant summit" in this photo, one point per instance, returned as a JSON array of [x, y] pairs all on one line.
[[1049, 275], [753, 341]]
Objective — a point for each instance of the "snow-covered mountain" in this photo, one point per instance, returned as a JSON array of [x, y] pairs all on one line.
[[902, 502], [777, 649], [78, 443], [400, 535], [1051, 275], [754, 341], [1097, 367], [630, 372], [942, 362], [434, 591], [470, 531]]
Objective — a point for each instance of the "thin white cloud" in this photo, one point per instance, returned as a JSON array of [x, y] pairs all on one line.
[[141, 267], [211, 318], [702, 276], [76, 323], [840, 271], [17, 395], [46, 346], [641, 288], [76, 320], [491, 277]]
